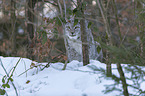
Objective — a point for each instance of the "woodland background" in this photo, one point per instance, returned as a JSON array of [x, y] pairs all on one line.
[[118, 25]]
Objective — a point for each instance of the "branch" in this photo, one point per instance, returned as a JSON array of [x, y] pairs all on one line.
[[8, 77]]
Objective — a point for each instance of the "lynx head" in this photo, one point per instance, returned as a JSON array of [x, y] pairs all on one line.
[[72, 30]]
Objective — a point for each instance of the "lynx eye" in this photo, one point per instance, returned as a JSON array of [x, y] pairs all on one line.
[[68, 27], [78, 38], [76, 27]]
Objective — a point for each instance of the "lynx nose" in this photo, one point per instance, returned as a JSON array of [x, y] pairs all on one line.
[[73, 33]]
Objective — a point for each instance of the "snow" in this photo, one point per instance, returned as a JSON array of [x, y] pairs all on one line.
[[76, 80]]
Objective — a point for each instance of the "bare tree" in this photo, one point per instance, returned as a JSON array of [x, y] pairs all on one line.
[[30, 26], [108, 34], [123, 80], [13, 25]]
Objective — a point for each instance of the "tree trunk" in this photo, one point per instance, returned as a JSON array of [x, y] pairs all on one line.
[[13, 25], [30, 27], [85, 47], [122, 77]]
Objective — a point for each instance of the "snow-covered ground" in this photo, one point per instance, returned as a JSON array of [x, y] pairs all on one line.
[[76, 80]]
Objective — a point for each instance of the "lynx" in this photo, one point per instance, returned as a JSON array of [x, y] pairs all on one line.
[[74, 44]]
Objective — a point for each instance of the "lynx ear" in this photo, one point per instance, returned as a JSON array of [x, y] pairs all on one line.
[[68, 21]]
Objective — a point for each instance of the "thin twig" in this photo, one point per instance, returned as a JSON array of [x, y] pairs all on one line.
[[117, 21], [15, 67], [60, 8], [65, 41], [8, 77], [64, 8], [106, 22]]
